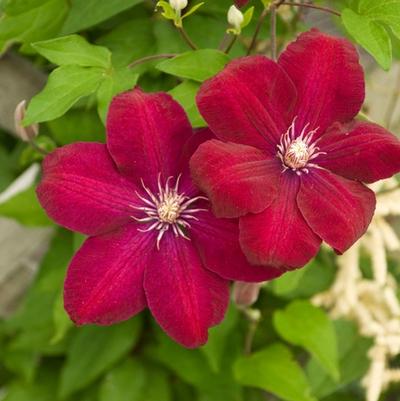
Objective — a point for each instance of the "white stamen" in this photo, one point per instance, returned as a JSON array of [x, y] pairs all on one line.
[[167, 208], [296, 152]]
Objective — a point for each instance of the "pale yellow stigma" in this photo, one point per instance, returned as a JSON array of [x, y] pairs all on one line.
[[297, 154], [169, 210]]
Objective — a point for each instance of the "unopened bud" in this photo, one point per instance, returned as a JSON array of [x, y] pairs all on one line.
[[245, 294], [235, 17], [178, 5], [24, 133], [241, 3]]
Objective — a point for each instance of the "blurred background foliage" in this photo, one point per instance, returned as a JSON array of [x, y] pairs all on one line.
[[298, 352]]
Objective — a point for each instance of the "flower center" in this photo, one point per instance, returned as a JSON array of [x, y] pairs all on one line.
[[296, 153], [167, 209]]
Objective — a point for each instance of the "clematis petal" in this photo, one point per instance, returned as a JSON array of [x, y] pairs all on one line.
[[145, 135], [198, 137], [328, 78], [337, 209], [184, 297], [82, 190], [360, 151], [279, 236], [217, 241], [238, 179], [249, 102], [104, 283]]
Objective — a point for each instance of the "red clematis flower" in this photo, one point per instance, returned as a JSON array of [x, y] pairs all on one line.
[[291, 158], [153, 240]]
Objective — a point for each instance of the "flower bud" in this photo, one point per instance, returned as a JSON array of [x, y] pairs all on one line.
[[245, 294], [28, 133], [178, 5], [241, 3], [235, 17]]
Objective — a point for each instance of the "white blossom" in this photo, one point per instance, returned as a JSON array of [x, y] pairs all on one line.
[[235, 17], [178, 5]]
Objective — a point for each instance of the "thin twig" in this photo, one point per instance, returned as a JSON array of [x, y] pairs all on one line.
[[273, 31], [230, 44], [253, 316], [38, 149], [186, 38], [260, 21], [248, 341], [392, 103], [151, 58], [325, 9], [224, 41]]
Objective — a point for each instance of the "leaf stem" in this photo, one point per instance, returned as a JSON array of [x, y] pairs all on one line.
[[307, 5], [186, 38], [151, 58]]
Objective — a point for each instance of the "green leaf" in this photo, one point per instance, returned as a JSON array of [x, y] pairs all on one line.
[[369, 34], [95, 349], [25, 208], [185, 94], [31, 21], [124, 382], [78, 240], [197, 65], [65, 86], [315, 277], [135, 380], [130, 41], [43, 389], [217, 340], [305, 325], [62, 322], [287, 282], [21, 362], [157, 387], [167, 11], [119, 81], [366, 22], [247, 16], [192, 367], [73, 50], [273, 369], [353, 360], [192, 10], [86, 13], [91, 129]]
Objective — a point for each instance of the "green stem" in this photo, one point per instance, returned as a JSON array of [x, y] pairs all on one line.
[[151, 58], [260, 21], [186, 38], [315, 7], [230, 44], [38, 148]]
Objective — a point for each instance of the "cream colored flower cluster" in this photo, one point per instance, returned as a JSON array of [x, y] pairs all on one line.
[[372, 303]]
